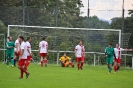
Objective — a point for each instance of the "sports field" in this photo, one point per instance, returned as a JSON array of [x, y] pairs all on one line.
[[55, 76]]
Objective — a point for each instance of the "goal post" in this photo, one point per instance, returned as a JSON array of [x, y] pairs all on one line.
[[63, 39]]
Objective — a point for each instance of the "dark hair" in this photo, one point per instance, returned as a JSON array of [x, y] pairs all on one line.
[[28, 38], [110, 44], [8, 37], [21, 37], [43, 38]]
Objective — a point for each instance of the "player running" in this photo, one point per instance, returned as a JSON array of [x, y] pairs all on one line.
[[9, 51], [22, 58], [43, 50], [66, 61], [79, 54], [29, 53], [109, 52], [17, 51], [117, 59]]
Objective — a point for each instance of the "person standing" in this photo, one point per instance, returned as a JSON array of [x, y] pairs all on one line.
[[9, 51], [29, 53], [17, 50], [79, 53], [117, 59], [43, 50], [22, 58], [109, 52]]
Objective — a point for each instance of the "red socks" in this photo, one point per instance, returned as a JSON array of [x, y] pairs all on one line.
[[41, 63], [115, 68], [78, 65], [21, 74], [81, 65], [45, 61]]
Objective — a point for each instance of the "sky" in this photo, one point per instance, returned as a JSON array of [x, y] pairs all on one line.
[[101, 8]]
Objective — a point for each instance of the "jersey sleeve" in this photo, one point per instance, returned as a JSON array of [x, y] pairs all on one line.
[[75, 49], [121, 49], [40, 44]]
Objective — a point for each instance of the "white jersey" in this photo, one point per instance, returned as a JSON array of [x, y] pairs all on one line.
[[79, 50], [24, 47], [29, 48], [43, 46], [17, 44], [118, 52]]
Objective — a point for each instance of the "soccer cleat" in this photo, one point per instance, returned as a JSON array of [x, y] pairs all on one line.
[[81, 68], [27, 75], [45, 65], [20, 78]]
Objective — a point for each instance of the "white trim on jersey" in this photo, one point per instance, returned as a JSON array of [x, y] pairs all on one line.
[[118, 52]]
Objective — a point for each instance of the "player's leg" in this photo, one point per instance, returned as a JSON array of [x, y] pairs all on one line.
[[12, 58], [119, 61], [71, 64], [78, 63], [110, 64], [45, 59], [115, 65], [41, 59], [28, 61], [82, 62], [21, 66]]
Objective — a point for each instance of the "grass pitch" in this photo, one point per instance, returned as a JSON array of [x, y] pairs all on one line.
[[55, 76]]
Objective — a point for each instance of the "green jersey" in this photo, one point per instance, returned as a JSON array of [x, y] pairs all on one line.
[[10, 46], [109, 51]]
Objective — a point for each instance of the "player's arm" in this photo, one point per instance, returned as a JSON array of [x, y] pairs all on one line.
[[75, 51], [28, 51], [47, 47], [126, 49]]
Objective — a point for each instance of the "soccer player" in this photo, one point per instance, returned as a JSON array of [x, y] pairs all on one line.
[[22, 58], [66, 61], [29, 53], [109, 52], [117, 59], [10, 51], [17, 51], [79, 53], [43, 50]]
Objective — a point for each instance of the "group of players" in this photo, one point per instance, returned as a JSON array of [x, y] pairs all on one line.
[[113, 56], [21, 51]]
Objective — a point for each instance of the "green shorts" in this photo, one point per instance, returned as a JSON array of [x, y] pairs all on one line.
[[109, 60], [9, 55]]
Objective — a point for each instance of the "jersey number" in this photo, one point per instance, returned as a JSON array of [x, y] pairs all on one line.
[[43, 45]]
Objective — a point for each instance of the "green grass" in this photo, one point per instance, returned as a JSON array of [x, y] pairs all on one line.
[[55, 76]]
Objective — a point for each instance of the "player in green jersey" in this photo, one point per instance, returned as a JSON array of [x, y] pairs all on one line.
[[9, 50], [109, 52]]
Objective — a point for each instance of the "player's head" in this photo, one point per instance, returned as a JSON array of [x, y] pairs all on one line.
[[9, 38], [43, 38], [18, 37], [28, 39], [117, 45], [80, 42], [21, 39], [109, 45], [64, 54]]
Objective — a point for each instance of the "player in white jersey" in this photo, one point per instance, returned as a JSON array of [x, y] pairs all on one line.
[[117, 59], [22, 58], [43, 50], [79, 54], [29, 53], [17, 50]]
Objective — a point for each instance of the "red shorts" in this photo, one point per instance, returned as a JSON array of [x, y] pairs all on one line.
[[17, 53], [83, 58], [78, 59], [117, 60], [29, 58], [43, 54], [21, 62]]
